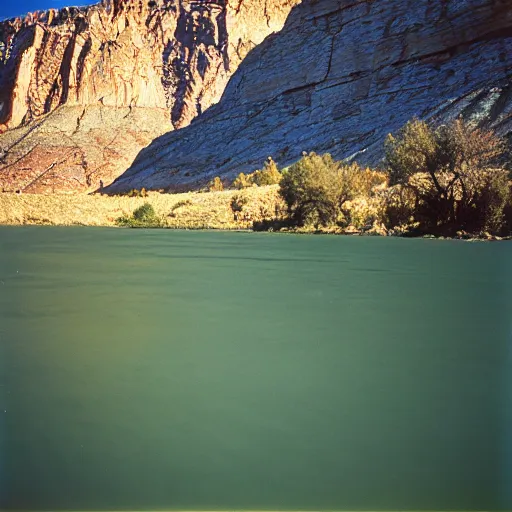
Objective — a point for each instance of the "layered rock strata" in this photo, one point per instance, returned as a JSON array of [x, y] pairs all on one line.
[[338, 78], [114, 75]]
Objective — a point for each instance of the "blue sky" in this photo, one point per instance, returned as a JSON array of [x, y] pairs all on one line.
[[10, 8]]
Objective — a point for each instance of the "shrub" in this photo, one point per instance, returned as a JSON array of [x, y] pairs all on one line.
[[452, 172], [507, 228], [144, 213], [364, 212], [269, 175], [178, 205], [316, 188], [137, 193], [143, 217], [399, 207], [181, 204], [271, 224], [238, 202], [216, 185], [242, 181], [365, 181], [491, 200]]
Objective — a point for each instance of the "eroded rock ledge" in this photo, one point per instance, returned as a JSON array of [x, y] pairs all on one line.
[[339, 77], [114, 75]]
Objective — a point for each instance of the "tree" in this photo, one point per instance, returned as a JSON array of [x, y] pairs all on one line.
[[316, 188], [453, 171], [144, 213], [143, 217]]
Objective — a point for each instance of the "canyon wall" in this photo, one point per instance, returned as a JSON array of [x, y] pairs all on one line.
[[83, 90], [338, 78]]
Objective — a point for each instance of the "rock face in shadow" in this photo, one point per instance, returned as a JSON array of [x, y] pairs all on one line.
[[117, 75], [339, 77]]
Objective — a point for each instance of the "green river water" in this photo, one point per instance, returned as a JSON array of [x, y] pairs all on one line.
[[151, 370]]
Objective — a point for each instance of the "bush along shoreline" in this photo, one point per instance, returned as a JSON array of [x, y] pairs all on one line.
[[449, 181]]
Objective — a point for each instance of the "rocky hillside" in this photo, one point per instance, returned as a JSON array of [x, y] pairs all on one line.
[[339, 77], [83, 90]]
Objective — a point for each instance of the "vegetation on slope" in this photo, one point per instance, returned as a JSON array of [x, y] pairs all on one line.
[[269, 175], [454, 176], [443, 181]]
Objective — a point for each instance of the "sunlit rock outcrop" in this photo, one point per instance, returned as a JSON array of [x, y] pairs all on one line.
[[82, 90], [339, 77]]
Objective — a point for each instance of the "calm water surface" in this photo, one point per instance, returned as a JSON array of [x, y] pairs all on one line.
[[192, 370]]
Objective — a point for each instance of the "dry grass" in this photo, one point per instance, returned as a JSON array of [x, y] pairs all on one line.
[[188, 211]]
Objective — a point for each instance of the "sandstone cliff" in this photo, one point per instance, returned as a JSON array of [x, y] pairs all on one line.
[[339, 77], [82, 90]]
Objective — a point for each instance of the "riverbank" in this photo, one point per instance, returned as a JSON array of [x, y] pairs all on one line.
[[192, 210], [256, 208]]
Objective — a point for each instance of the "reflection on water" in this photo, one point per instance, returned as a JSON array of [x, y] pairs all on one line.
[[218, 371]]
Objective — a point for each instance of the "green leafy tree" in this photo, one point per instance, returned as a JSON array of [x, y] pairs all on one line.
[[143, 217], [453, 171], [144, 213], [316, 188]]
